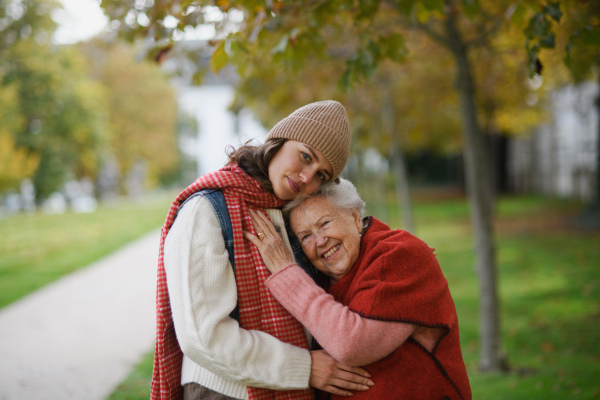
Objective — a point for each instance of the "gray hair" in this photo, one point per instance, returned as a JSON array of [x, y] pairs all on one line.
[[342, 195]]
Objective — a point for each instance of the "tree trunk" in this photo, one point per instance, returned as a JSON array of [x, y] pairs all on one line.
[[479, 188], [399, 169], [596, 196]]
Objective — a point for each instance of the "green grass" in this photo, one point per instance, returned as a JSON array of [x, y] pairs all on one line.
[[549, 284], [38, 249], [137, 385]]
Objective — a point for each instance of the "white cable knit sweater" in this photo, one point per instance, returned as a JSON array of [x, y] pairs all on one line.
[[218, 354]]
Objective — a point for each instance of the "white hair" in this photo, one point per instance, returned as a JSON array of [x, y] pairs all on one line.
[[342, 195]]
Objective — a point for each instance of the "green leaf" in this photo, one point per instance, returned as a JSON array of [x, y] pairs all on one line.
[[198, 77], [344, 82], [518, 15], [538, 26], [471, 8], [591, 37], [393, 47], [553, 10], [434, 5], [367, 8], [406, 7], [219, 59], [548, 41]]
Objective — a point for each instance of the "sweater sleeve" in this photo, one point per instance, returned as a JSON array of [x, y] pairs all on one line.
[[345, 335], [202, 292]]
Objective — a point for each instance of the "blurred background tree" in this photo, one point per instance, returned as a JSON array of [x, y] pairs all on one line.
[[141, 109], [56, 112], [68, 111]]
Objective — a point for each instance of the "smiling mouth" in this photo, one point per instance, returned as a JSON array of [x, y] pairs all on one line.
[[293, 185], [331, 251]]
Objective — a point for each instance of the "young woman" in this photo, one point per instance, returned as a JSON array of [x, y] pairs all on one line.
[[204, 349]]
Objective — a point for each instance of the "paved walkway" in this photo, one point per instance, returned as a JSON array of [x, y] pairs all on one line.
[[80, 336]]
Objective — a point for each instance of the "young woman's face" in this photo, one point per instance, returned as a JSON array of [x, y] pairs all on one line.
[[298, 168]]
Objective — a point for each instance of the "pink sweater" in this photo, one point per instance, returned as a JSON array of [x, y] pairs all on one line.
[[345, 335]]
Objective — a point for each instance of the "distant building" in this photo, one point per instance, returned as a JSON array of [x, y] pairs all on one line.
[[560, 158], [209, 103]]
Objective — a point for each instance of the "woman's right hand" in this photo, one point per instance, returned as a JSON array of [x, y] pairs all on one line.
[[331, 376]]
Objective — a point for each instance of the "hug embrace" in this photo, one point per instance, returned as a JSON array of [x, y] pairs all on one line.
[[324, 303]]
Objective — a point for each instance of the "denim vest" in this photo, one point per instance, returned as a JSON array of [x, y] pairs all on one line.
[[216, 198]]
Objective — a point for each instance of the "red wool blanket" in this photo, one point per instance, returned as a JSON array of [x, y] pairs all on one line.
[[397, 278], [258, 309]]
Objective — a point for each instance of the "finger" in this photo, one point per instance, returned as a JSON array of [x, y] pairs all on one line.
[[255, 220], [258, 220], [336, 390], [349, 380], [251, 237], [354, 370], [267, 224], [348, 385]]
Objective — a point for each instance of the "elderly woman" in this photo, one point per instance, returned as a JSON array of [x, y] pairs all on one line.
[[387, 307]]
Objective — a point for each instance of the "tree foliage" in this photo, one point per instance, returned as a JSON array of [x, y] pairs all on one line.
[[141, 109], [56, 127], [62, 114], [16, 163]]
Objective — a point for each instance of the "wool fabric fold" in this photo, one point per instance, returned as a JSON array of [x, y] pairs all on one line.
[[258, 308]]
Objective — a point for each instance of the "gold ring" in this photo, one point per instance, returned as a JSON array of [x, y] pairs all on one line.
[[261, 235]]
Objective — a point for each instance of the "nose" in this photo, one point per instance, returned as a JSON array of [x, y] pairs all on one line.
[[320, 239], [307, 175]]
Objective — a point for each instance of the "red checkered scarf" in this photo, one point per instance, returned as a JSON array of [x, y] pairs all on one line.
[[258, 309]]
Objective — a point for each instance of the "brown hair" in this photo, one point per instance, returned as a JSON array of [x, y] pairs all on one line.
[[255, 159]]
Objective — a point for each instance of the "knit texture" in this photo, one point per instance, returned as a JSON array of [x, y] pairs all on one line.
[[323, 125], [397, 278], [345, 335], [258, 309]]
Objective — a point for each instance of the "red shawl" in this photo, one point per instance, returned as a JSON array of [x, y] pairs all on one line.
[[258, 309], [397, 278]]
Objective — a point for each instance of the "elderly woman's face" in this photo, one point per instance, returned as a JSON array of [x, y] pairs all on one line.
[[330, 237]]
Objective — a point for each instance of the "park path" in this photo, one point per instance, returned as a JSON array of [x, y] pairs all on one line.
[[80, 336]]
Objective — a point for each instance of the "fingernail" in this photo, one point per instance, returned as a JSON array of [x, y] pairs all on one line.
[[367, 374], [365, 388], [371, 383]]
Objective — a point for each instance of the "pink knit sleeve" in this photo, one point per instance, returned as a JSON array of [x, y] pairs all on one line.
[[345, 335]]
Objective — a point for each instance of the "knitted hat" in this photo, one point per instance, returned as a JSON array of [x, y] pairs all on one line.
[[323, 125]]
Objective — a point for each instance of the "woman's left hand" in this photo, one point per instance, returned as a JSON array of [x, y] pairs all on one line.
[[272, 249]]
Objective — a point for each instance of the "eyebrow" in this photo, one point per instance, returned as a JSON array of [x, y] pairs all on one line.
[[329, 175]]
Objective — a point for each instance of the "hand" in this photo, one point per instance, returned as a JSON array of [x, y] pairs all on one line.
[[331, 376], [272, 249]]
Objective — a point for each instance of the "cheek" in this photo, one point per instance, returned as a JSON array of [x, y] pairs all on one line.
[[352, 245], [312, 187], [309, 251]]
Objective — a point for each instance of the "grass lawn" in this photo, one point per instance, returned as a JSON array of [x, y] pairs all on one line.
[[38, 249], [549, 281]]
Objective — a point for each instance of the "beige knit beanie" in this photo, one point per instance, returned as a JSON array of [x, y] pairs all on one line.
[[323, 125]]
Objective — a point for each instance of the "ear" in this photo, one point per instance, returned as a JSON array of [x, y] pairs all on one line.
[[357, 221]]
